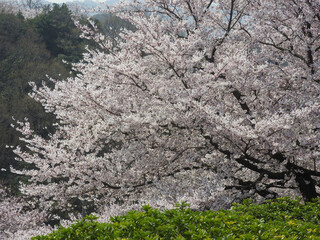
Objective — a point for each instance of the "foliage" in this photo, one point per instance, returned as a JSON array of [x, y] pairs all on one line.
[[61, 36], [23, 58], [281, 218]]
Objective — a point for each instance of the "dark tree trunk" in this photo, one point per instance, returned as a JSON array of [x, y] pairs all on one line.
[[306, 186]]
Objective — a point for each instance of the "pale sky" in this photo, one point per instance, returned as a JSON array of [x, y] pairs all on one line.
[[58, 1], [63, 1]]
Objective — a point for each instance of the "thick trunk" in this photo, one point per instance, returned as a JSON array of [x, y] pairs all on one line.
[[306, 186], [304, 180]]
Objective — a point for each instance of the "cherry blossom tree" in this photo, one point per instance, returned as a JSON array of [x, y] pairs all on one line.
[[207, 101], [19, 218]]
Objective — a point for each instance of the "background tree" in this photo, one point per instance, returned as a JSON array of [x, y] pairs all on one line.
[[23, 58], [60, 34], [208, 101]]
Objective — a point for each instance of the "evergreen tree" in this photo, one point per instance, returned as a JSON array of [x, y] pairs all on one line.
[[61, 36], [23, 58]]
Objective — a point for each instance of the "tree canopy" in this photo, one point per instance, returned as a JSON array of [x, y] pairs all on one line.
[[207, 101], [61, 36]]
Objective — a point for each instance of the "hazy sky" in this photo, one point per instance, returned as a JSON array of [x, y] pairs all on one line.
[[57, 1], [62, 1]]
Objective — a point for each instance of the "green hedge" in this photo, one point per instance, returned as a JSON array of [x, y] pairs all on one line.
[[278, 219]]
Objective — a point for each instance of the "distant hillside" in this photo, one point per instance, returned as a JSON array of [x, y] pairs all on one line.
[[111, 25]]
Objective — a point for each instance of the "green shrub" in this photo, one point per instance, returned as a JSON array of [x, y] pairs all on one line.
[[278, 219]]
